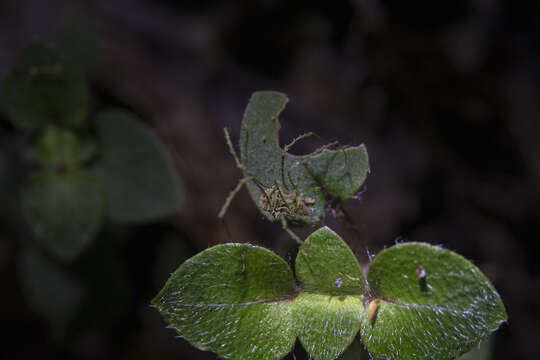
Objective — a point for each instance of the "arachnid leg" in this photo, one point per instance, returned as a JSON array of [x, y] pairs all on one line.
[[232, 194], [285, 227]]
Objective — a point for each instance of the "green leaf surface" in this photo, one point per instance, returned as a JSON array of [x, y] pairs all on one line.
[[327, 324], [230, 299], [64, 210], [42, 89], [137, 172], [325, 264], [328, 312], [440, 315], [337, 173]]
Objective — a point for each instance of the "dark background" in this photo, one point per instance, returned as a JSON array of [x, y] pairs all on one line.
[[445, 95]]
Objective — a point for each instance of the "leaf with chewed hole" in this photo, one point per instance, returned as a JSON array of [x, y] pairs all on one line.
[[328, 312], [310, 178], [234, 300], [137, 172], [432, 304]]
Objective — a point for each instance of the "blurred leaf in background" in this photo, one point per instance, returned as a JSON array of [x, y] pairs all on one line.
[[42, 88], [137, 172], [64, 210]]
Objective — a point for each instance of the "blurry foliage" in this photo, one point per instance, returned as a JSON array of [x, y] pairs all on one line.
[[79, 171], [43, 89], [63, 201], [64, 210], [136, 171]]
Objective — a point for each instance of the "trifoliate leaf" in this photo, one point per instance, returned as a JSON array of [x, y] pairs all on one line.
[[298, 184], [432, 304], [64, 210], [42, 89], [239, 301], [137, 172]]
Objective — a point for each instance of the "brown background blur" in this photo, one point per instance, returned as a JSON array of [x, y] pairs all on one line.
[[445, 95]]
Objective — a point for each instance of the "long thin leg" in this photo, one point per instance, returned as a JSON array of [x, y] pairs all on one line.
[[285, 227], [285, 150], [231, 196], [297, 139], [232, 151]]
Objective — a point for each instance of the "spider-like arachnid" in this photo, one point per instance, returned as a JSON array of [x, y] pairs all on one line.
[[283, 204], [279, 202]]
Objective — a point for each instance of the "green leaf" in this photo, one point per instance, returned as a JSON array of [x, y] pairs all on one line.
[[440, 315], [325, 264], [337, 173], [42, 89], [64, 210], [60, 149], [137, 172], [232, 299], [328, 312]]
